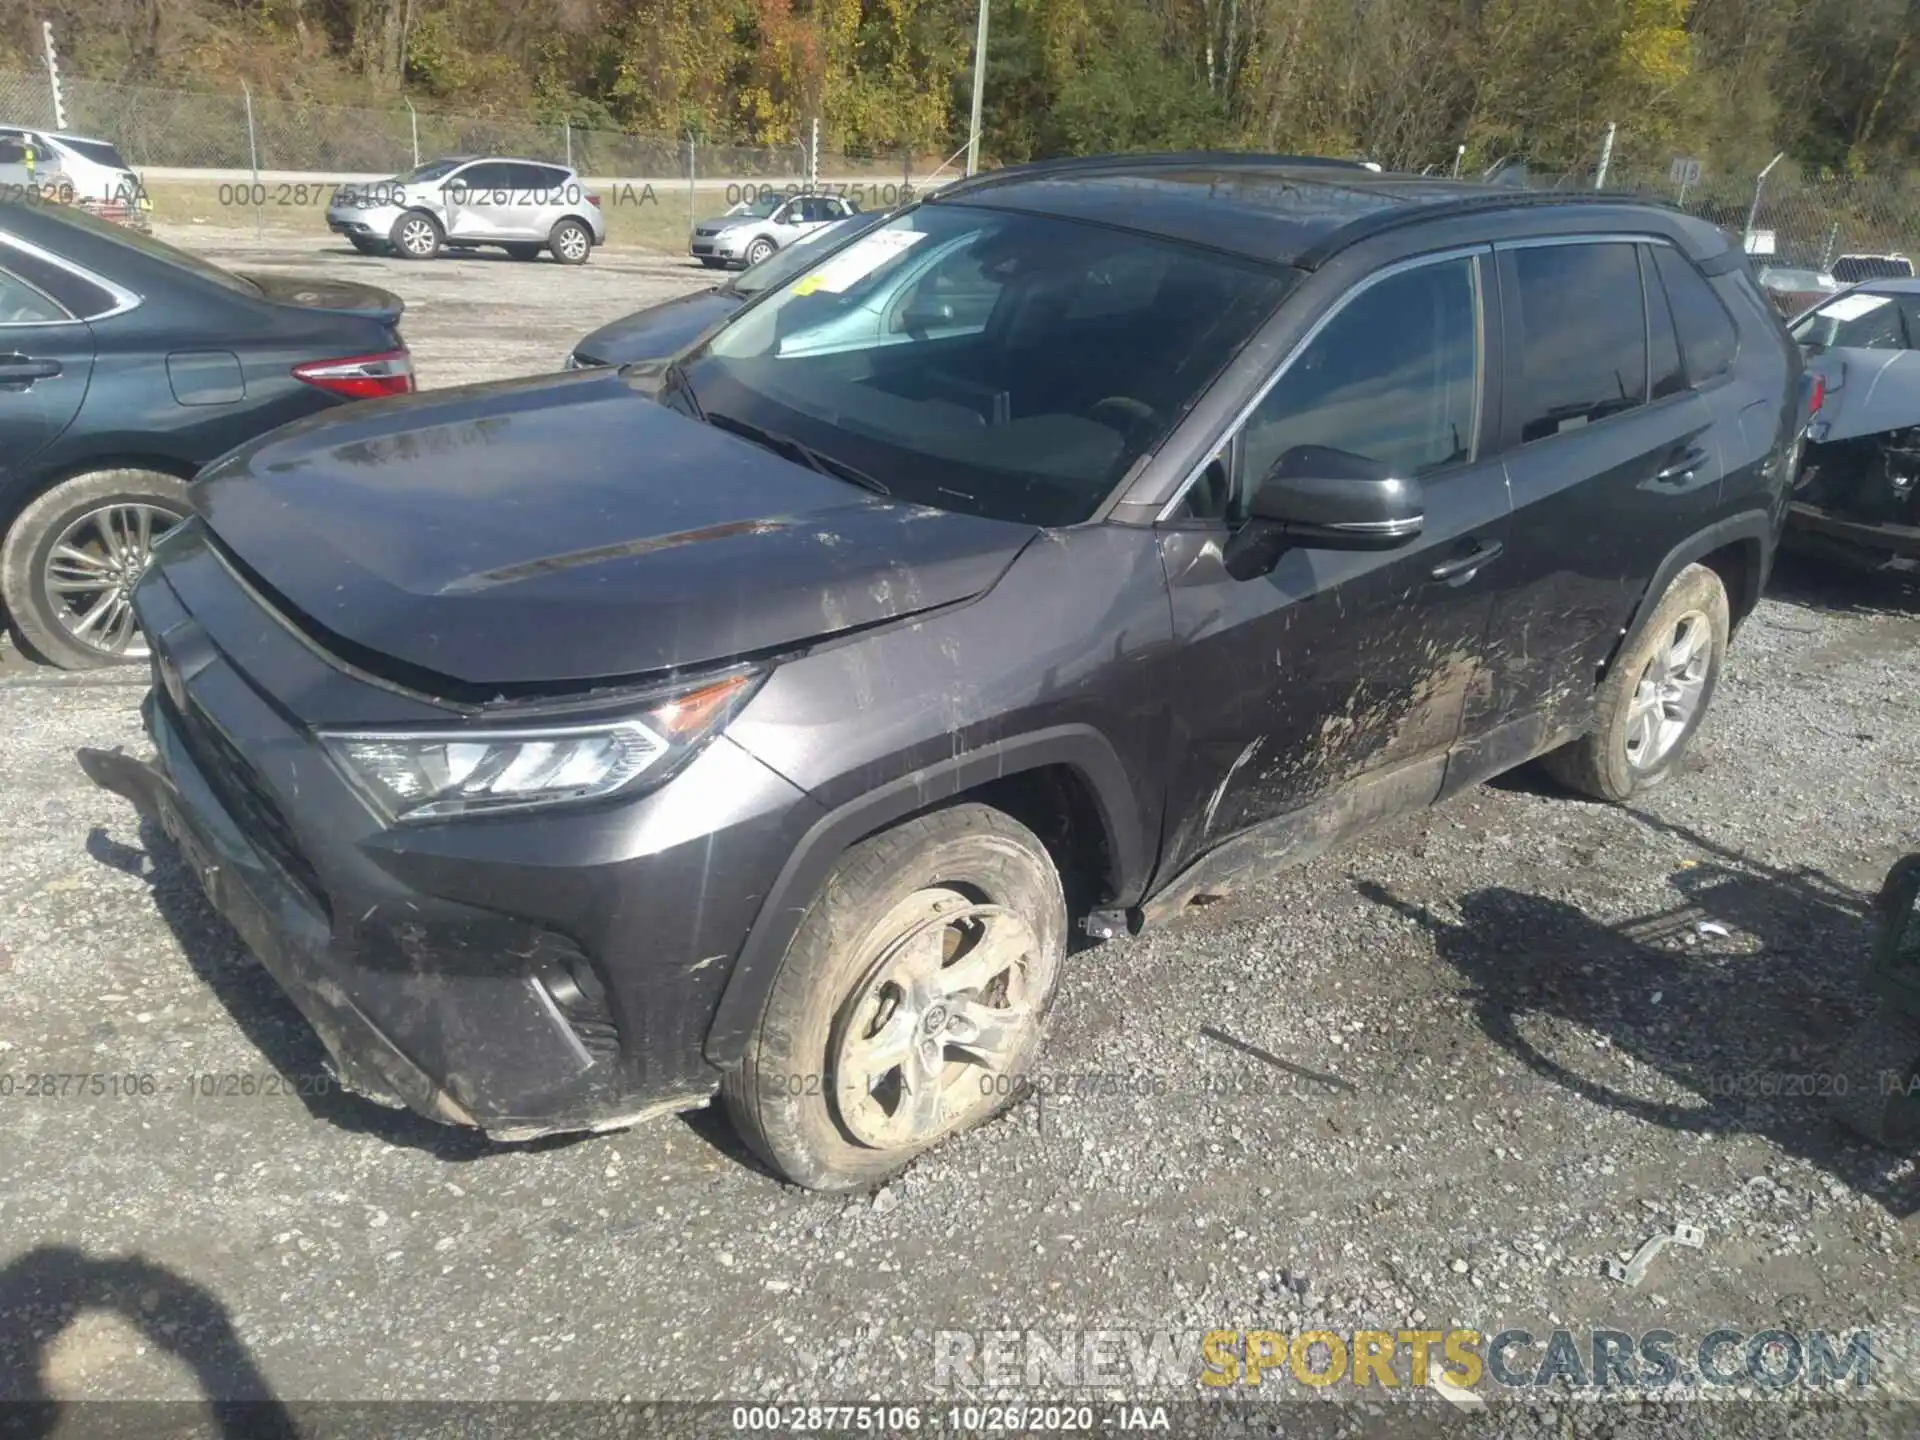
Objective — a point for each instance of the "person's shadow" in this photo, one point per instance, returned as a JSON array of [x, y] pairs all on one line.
[[46, 1290], [1750, 1037]]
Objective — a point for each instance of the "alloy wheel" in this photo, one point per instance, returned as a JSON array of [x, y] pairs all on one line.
[[417, 236], [92, 570], [924, 1041], [572, 242], [1667, 698]]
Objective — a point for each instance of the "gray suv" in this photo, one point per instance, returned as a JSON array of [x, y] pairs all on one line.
[[754, 229], [463, 202]]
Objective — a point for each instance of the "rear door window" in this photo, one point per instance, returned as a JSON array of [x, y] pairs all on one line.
[[1583, 336], [1667, 372], [21, 304], [1708, 337]]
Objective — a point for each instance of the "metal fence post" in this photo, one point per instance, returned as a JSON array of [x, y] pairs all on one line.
[[1753, 210], [253, 159], [1606, 157], [691, 204], [567, 125], [413, 122]]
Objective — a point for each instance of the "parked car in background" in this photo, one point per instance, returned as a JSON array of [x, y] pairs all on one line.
[[1858, 496], [753, 230], [1793, 288], [465, 202], [53, 167], [1074, 544], [657, 331], [126, 365], [1852, 269]]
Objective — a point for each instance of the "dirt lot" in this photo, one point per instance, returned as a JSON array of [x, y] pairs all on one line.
[[1516, 1036]]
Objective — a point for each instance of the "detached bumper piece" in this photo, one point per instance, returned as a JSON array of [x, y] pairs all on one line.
[[1886, 546]]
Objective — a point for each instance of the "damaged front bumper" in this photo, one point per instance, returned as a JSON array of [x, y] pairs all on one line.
[[1813, 530], [526, 975]]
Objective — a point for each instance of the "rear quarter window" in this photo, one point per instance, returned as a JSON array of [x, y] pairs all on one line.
[[1708, 337]]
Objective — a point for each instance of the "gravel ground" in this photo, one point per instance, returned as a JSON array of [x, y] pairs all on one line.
[[1433, 1080]]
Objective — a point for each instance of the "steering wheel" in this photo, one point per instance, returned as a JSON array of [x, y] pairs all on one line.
[[1130, 414]]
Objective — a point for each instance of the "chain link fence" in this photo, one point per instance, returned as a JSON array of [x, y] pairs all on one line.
[[159, 128]]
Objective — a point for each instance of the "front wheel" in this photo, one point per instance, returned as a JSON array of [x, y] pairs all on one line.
[[417, 236], [571, 242], [71, 561], [910, 1003], [759, 250], [1651, 705]]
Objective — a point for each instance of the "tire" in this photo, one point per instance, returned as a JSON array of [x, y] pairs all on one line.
[[710, 263], [366, 246], [758, 251], [1880, 1067], [571, 242], [524, 252], [974, 888], [1632, 748], [84, 627], [416, 235]]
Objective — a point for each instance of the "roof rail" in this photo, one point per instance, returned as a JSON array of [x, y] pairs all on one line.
[[1080, 164], [1368, 226]]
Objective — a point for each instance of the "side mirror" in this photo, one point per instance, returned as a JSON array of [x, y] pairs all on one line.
[[1336, 500]]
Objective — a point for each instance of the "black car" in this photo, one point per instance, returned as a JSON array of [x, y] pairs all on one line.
[[765, 720], [125, 366], [659, 330]]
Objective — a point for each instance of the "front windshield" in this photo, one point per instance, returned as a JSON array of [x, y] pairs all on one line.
[[1858, 320], [997, 363], [783, 265], [432, 170], [760, 209]]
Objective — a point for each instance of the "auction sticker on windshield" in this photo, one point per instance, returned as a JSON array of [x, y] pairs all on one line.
[[859, 260], [1852, 307]]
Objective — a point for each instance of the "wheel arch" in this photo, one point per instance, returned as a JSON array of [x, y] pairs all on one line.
[[1066, 784], [1739, 549], [34, 486]]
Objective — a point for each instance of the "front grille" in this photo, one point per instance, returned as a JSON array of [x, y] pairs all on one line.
[[237, 784]]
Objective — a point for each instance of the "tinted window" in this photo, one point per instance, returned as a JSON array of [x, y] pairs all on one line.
[[985, 398], [432, 170], [13, 150], [98, 151], [1393, 377], [1583, 336], [1669, 375], [1708, 338], [74, 294], [21, 304], [491, 175]]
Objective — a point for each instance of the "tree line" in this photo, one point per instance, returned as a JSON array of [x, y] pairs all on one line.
[[1405, 82]]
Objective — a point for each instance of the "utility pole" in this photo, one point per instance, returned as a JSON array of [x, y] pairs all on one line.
[[979, 90]]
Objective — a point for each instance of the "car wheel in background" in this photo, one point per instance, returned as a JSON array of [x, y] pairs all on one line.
[[524, 252], [910, 1003], [759, 250], [71, 560], [417, 236], [571, 242], [1651, 705], [366, 246]]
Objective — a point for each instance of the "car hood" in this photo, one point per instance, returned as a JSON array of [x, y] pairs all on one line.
[[659, 330], [714, 224], [567, 528]]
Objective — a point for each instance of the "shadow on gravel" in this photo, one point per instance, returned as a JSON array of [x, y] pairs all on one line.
[[268, 1018], [1739, 993], [1814, 584], [44, 1291]]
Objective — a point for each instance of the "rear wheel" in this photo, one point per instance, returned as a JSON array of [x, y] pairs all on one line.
[[72, 559], [417, 236], [524, 252], [1651, 705], [911, 1002], [571, 242]]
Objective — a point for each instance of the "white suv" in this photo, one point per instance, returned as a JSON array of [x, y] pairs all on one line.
[[463, 202], [72, 168]]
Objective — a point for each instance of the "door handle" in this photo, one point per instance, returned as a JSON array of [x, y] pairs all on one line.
[[23, 370], [1462, 567], [1683, 468]]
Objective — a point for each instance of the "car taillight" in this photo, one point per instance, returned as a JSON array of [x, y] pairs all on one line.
[[593, 200], [1819, 395], [361, 377]]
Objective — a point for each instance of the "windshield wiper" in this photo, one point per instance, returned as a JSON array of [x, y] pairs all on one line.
[[798, 450]]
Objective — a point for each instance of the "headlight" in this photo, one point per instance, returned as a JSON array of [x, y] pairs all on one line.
[[430, 775]]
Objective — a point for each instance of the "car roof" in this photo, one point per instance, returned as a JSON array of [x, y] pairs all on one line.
[[1297, 210], [1890, 285]]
